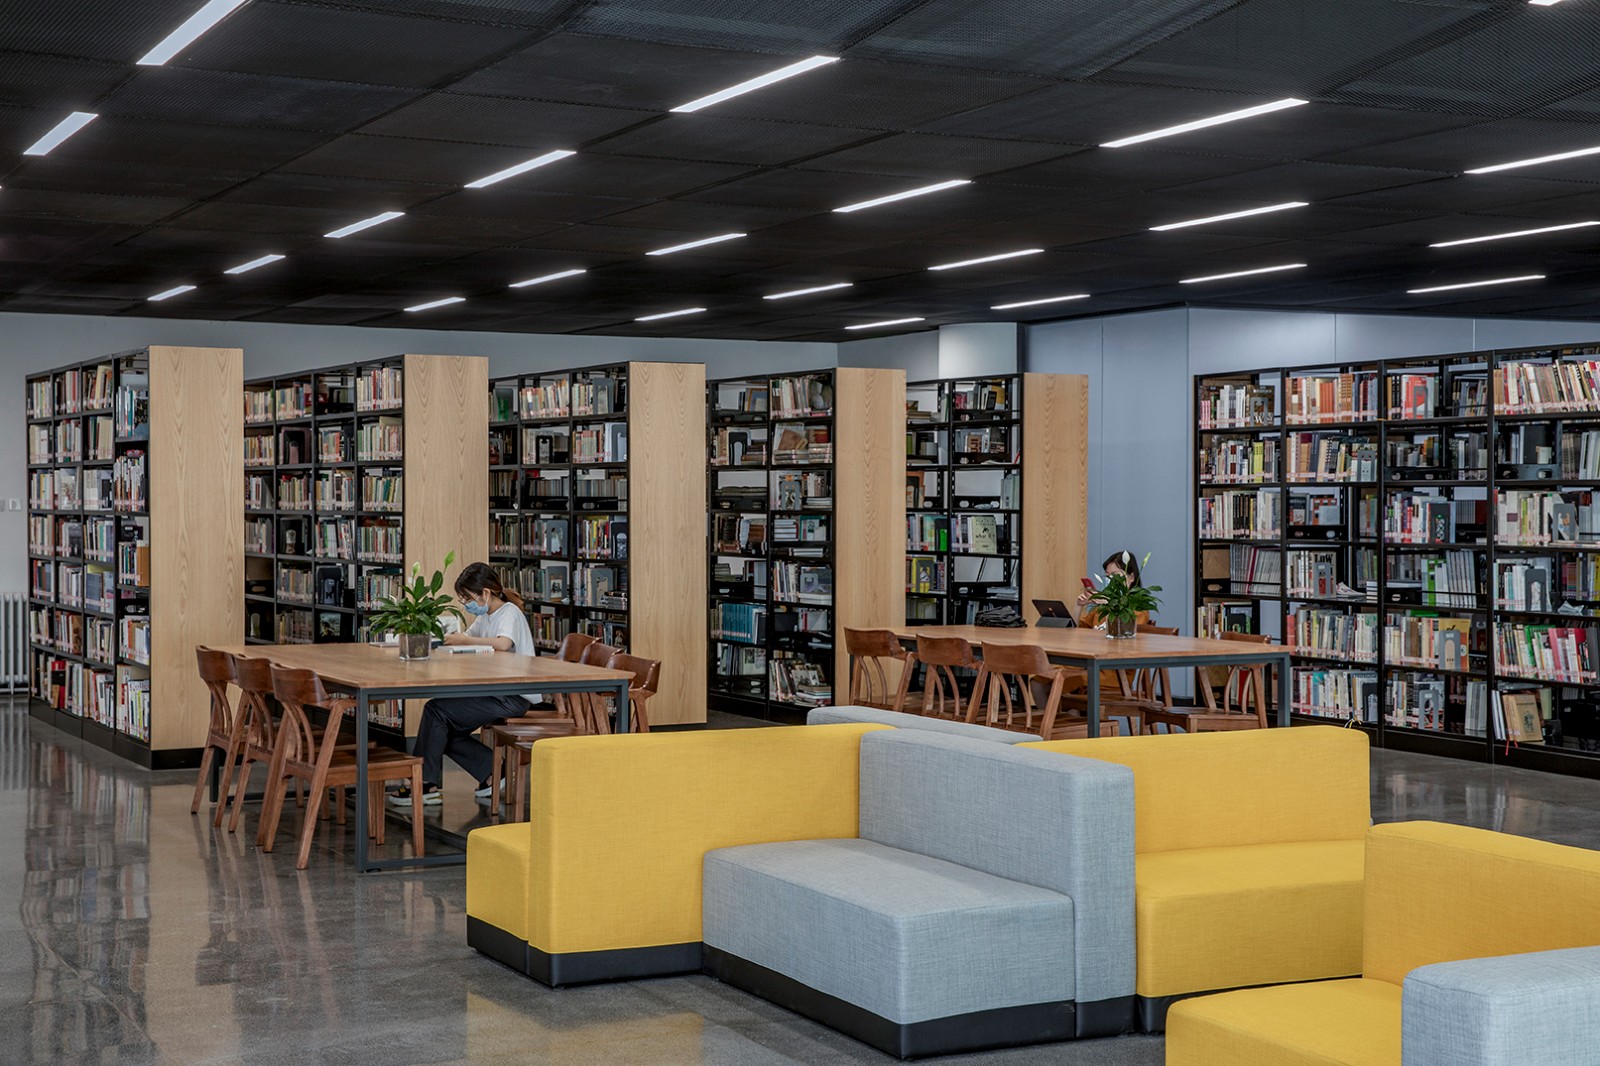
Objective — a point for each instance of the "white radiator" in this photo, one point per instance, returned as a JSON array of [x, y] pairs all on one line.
[[13, 642]]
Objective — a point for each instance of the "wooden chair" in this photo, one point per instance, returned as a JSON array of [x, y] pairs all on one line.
[[216, 670], [1023, 664], [646, 679], [303, 754], [570, 650], [255, 732], [575, 716], [868, 650], [940, 658], [1248, 681], [1136, 693]]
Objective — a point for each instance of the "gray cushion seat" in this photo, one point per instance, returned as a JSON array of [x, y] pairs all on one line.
[[987, 902]]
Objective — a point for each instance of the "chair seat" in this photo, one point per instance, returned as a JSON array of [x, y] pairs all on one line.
[[1201, 719], [1218, 918], [905, 936], [498, 858], [1325, 1023]]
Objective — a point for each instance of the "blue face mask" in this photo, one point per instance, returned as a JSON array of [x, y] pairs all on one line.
[[476, 609]]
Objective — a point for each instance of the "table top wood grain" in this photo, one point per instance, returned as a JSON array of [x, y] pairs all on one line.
[[368, 666], [1081, 643]]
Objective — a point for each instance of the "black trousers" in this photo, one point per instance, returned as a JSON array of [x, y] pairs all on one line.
[[447, 727]]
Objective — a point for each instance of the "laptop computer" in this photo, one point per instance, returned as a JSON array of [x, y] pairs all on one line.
[[1053, 614]]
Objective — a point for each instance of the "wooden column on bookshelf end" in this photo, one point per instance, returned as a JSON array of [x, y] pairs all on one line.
[[446, 503], [1055, 487], [667, 529], [869, 507], [196, 534]]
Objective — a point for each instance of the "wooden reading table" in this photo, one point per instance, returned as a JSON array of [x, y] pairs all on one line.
[[373, 672], [1094, 651]]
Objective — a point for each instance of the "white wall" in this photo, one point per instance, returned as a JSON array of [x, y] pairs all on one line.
[[1141, 418]]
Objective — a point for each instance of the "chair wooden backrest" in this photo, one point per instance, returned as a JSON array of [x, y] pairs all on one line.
[[295, 690], [1152, 683], [590, 710], [570, 650], [1248, 682], [869, 682], [646, 679], [216, 670], [1019, 663], [942, 657]]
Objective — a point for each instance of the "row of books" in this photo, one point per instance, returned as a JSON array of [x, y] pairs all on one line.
[[99, 539], [259, 406], [292, 400], [927, 533], [130, 481], [1421, 518], [1446, 580], [1536, 517], [799, 582], [602, 536], [131, 408], [133, 562], [925, 574], [1548, 653], [797, 444], [739, 623], [335, 491], [735, 660], [1547, 388], [333, 443], [1429, 641], [1330, 633], [133, 639], [802, 491], [991, 396], [382, 492], [980, 534], [802, 529], [739, 446], [1239, 461], [1236, 405], [1222, 616], [294, 584], [259, 536], [988, 444], [553, 400], [260, 450], [377, 542], [1461, 456], [379, 388], [1241, 515], [605, 443], [802, 396], [798, 680], [380, 440], [745, 397], [1331, 457], [1254, 571], [600, 586], [1323, 398], [1335, 693], [1525, 584], [592, 395], [294, 492]]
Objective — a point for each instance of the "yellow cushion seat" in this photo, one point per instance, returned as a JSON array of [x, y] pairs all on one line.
[[1324, 1023], [1217, 918]]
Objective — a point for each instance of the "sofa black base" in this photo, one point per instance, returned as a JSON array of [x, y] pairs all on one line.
[[620, 964], [1035, 1023], [501, 946]]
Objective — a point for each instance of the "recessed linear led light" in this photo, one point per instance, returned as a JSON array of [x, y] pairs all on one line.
[[1230, 215], [1536, 160], [885, 322], [670, 314], [557, 276], [756, 83], [986, 259], [1202, 123], [701, 243], [366, 223], [1513, 233], [63, 129], [1544, 3], [431, 304], [1477, 284], [1242, 273], [921, 190], [244, 268], [808, 292], [1036, 303], [170, 293], [521, 168], [189, 31]]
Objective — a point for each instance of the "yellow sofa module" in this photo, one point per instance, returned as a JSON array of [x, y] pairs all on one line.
[[1249, 857], [605, 881], [1478, 951]]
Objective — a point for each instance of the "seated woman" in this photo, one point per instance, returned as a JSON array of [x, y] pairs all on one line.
[[448, 725], [1124, 563]]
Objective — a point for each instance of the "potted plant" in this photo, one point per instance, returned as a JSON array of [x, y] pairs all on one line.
[[1119, 603], [413, 615]]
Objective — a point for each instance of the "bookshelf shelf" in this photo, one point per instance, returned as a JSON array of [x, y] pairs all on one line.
[[362, 485], [122, 592], [1465, 489], [592, 509], [800, 544]]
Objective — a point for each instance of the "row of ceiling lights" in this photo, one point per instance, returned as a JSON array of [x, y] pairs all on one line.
[[214, 11]]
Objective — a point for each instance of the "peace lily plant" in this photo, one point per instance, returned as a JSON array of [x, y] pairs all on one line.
[[415, 614], [1119, 603]]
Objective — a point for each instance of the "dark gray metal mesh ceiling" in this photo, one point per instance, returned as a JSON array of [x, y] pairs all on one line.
[[294, 117]]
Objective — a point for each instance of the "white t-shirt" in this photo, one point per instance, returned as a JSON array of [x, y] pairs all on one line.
[[511, 623]]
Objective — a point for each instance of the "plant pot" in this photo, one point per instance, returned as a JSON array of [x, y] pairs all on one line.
[[415, 645], [1121, 628]]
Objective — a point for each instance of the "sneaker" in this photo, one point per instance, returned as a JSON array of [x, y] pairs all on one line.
[[485, 791], [431, 797]]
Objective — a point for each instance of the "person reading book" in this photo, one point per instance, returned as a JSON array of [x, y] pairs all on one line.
[[448, 725]]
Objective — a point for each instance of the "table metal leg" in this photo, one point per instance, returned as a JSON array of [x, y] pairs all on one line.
[[624, 709], [1284, 690], [1094, 700], [362, 704]]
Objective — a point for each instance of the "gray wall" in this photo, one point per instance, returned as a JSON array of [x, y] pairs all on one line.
[[1141, 412]]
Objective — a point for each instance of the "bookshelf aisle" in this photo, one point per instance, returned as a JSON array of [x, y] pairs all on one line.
[[595, 512], [353, 472], [130, 562], [1437, 560], [801, 544]]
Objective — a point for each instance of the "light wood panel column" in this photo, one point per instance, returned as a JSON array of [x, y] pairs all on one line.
[[196, 484], [667, 532], [1055, 487], [869, 507]]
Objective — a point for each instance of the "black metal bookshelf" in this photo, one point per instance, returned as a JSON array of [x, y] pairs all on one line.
[[559, 472], [1458, 539], [770, 483], [88, 437], [963, 498]]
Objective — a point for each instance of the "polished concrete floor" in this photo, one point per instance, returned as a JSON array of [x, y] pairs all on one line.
[[139, 935]]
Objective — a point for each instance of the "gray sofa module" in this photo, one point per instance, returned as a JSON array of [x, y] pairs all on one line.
[[988, 902], [900, 720]]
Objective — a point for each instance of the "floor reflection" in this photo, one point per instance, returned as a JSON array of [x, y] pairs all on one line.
[[142, 935]]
